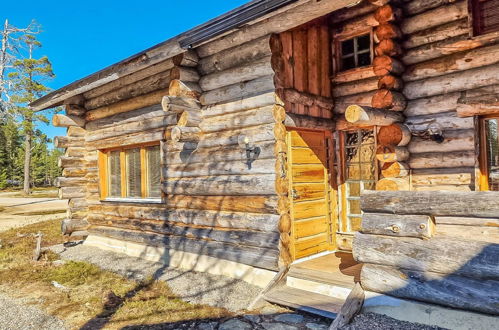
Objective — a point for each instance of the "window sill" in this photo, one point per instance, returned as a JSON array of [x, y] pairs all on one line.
[[134, 200]]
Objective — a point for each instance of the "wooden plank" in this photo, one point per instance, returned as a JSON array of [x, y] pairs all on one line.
[[313, 67], [300, 65], [310, 227], [309, 209], [287, 53], [421, 226], [123, 174], [325, 58], [308, 156], [352, 306], [308, 191], [308, 173], [307, 139]]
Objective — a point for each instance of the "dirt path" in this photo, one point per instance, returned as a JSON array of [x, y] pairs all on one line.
[[21, 211]]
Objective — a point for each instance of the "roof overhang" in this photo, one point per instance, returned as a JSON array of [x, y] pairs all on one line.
[[215, 28]]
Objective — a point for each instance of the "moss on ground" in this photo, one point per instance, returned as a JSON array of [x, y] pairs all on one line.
[[88, 287]]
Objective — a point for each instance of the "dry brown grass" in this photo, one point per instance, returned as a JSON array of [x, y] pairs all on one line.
[[149, 302]]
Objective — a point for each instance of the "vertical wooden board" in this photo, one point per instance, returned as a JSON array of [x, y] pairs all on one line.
[[300, 65], [313, 67], [123, 173], [143, 173], [102, 161], [325, 60], [287, 53]]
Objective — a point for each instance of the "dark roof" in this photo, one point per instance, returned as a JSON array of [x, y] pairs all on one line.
[[213, 28]]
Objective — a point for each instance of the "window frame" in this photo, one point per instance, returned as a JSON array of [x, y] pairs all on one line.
[[104, 175], [483, 161], [475, 18], [338, 38]]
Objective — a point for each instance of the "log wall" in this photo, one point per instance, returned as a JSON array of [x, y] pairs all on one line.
[[428, 246]]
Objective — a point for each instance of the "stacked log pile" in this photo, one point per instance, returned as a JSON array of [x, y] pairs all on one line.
[[442, 65], [73, 183], [426, 246]]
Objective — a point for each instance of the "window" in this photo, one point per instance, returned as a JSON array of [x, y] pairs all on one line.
[[132, 173], [489, 154], [355, 52], [485, 16]]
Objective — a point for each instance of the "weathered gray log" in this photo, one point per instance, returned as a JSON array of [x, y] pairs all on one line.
[[59, 120], [442, 159], [241, 119], [69, 226], [158, 81], [256, 134], [483, 204], [432, 105], [164, 120], [248, 71], [259, 101], [297, 97], [260, 166], [78, 203], [241, 237], [38, 248], [238, 91], [361, 99], [467, 221], [189, 58], [74, 172], [153, 135], [234, 185], [262, 258], [233, 57], [416, 7], [352, 306], [185, 134], [449, 290], [189, 118], [355, 87], [435, 17], [482, 233], [184, 88], [445, 121], [455, 140], [64, 161], [152, 111], [294, 120], [70, 181], [421, 226], [478, 105], [169, 102], [438, 33], [66, 141], [75, 152], [71, 192], [185, 74], [450, 256], [371, 116]]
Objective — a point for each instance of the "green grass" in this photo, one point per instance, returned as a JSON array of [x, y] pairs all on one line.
[[148, 302]]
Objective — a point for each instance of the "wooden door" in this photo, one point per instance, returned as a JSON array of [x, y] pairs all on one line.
[[312, 191]]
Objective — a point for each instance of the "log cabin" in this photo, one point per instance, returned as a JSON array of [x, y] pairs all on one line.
[[304, 146]]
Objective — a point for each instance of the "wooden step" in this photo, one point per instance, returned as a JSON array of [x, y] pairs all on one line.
[[306, 301], [322, 277]]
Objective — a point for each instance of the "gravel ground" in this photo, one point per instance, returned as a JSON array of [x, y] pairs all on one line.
[[219, 291], [372, 321], [16, 314]]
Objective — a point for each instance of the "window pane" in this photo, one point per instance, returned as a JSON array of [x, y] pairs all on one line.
[[363, 42], [347, 47], [364, 59], [348, 63], [153, 172], [114, 174], [491, 127], [133, 173]]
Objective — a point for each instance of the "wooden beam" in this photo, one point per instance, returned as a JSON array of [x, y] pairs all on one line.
[[421, 226], [59, 120], [356, 114]]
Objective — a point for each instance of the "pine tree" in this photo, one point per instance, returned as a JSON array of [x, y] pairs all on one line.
[[26, 81]]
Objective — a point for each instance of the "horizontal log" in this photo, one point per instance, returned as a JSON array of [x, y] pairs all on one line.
[[74, 172], [184, 89], [353, 75], [294, 96], [258, 101], [59, 120], [476, 108], [69, 226], [442, 159], [125, 118], [233, 57], [71, 192], [416, 7], [262, 258], [483, 204], [268, 240], [168, 103], [75, 152], [356, 26], [150, 84], [253, 117], [393, 184], [391, 83], [455, 140], [189, 118], [448, 46], [248, 71], [185, 134], [446, 121], [482, 234], [355, 87], [395, 134], [432, 105], [387, 99], [383, 65], [189, 58], [387, 31], [388, 47], [391, 154], [467, 221], [421, 226], [164, 120], [370, 116], [75, 109], [395, 170], [256, 134], [153, 135], [238, 91], [64, 162], [362, 99], [191, 217], [232, 185], [261, 166], [387, 13], [67, 141], [443, 176], [442, 255], [471, 59], [251, 204], [294, 120], [348, 13], [126, 105], [435, 17], [437, 33], [450, 291], [70, 181], [74, 131]]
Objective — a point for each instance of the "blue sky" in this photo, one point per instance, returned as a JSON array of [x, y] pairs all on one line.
[[81, 37]]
